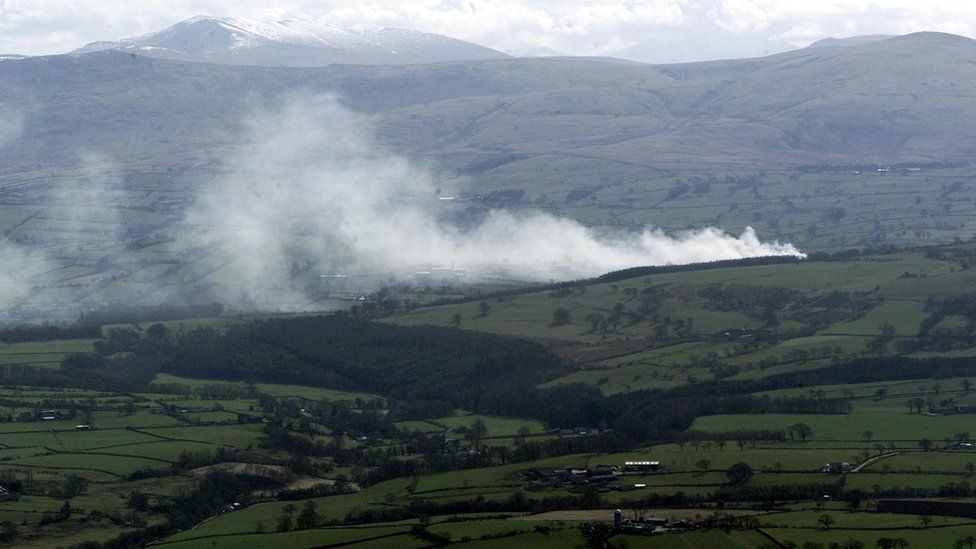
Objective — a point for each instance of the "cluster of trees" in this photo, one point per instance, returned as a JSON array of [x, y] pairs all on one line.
[[410, 363], [306, 520], [633, 272], [48, 332], [131, 314], [933, 335]]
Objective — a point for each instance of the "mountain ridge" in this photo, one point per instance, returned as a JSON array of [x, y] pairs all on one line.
[[897, 100], [292, 43]]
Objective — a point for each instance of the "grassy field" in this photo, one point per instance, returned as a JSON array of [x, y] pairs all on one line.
[[277, 390], [653, 345], [697, 326], [496, 426], [914, 534], [878, 418], [44, 353]]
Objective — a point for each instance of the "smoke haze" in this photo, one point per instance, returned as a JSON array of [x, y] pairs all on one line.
[[313, 189], [15, 263]]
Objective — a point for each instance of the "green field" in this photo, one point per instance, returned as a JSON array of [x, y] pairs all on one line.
[[700, 331], [276, 390]]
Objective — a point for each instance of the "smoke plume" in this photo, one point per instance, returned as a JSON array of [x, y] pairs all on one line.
[[313, 190], [15, 263]]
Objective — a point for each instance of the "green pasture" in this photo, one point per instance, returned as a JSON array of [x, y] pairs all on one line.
[[422, 426], [61, 347], [887, 420], [178, 326], [871, 481], [631, 377], [849, 520], [163, 449], [918, 462], [105, 463], [767, 457], [893, 389], [74, 440], [239, 436], [912, 532], [496, 426], [300, 538], [904, 315], [275, 390]]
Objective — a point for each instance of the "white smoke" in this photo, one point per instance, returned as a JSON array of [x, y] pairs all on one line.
[[11, 124], [15, 263], [313, 187]]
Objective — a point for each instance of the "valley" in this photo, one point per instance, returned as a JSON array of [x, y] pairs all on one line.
[[289, 284]]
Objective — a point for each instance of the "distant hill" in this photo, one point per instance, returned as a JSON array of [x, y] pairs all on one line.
[[701, 43], [849, 41], [291, 43], [896, 100], [797, 145], [539, 51]]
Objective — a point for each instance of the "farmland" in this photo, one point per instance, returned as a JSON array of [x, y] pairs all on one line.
[[227, 317], [767, 395]]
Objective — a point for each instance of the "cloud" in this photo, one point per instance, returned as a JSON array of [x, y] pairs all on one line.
[[804, 22], [313, 191]]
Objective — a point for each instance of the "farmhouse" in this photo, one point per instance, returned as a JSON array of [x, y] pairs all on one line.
[[645, 526], [836, 467], [950, 408], [632, 467], [50, 415], [961, 445]]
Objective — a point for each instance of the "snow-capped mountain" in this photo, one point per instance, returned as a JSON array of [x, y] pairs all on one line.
[[293, 43]]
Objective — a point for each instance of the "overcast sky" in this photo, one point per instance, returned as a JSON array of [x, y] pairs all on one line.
[[576, 27]]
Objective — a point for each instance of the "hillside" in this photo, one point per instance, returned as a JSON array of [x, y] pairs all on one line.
[[849, 41], [825, 148], [894, 101], [667, 329]]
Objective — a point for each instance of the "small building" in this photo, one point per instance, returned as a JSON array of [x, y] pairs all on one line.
[[642, 467], [965, 446], [836, 467], [231, 507], [49, 415]]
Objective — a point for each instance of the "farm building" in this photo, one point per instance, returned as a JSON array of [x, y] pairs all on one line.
[[642, 466], [836, 467]]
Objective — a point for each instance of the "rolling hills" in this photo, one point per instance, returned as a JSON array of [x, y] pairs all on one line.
[[900, 100], [828, 148]]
